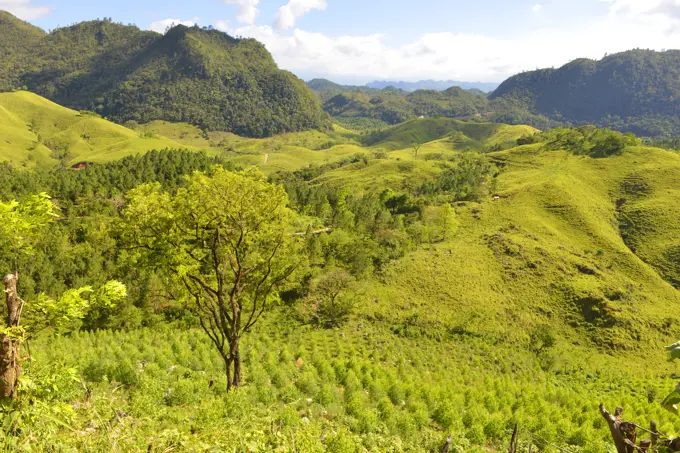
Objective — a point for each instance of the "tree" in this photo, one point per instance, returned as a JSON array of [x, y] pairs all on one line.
[[416, 147], [224, 237], [333, 305], [20, 225]]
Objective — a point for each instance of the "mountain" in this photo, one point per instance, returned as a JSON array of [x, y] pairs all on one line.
[[439, 85], [200, 76], [636, 91], [17, 40]]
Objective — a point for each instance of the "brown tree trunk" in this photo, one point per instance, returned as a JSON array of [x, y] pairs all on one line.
[[236, 354], [230, 379], [10, 367]]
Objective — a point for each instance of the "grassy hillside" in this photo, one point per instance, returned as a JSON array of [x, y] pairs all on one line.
[[200, 76], [36, 131], [544, 301], [459, 134]]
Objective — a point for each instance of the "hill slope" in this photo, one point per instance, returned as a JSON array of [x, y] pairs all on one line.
[[34, 130], [200, 76], [636, 91]]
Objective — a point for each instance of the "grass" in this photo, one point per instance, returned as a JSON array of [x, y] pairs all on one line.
[[36, 131], [460, 134]]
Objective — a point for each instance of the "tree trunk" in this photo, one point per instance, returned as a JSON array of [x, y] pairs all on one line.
[[623, 433], [236, 354], [10, 368], [230, 379]]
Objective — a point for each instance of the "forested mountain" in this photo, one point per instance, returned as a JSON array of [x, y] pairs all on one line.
[[200, 76], [636, 91], [439, 85], [17, 38]]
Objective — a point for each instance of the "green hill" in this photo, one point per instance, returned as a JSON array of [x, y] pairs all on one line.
[[395, 106], [634, 91], [37, 131], [554, 289], [458, 135], [199, 76]]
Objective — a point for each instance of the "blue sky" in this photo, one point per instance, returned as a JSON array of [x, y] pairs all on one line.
[[355, 41]]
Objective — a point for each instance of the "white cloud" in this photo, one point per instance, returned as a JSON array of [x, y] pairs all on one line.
[[662, 13], [247, 11], [294, 9], [24, 9], [461, 56], [162, 26], [537, 8]]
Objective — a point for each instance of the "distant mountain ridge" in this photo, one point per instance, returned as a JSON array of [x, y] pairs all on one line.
[[637, 91], [190, 74], [437, 85]]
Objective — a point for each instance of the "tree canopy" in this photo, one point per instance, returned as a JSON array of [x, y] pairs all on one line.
[[226, 238]]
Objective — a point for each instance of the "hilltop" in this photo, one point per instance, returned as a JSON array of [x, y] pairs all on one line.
[[438, 85], [636, 91], [194, 75]]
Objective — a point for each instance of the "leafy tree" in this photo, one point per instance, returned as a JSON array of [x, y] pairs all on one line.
[[225, 238], [333, 303], [20, 225]]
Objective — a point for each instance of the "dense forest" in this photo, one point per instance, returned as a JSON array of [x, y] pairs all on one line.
[[200, 76]]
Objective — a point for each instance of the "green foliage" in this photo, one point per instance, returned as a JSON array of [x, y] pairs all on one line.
[[331, 298], [585, 140], [226, 239], [463, 181], [20, 223], [74, 304]]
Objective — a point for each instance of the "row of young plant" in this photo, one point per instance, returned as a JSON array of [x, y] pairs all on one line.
[[343, 391]]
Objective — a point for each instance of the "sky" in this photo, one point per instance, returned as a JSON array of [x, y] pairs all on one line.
[[357, 41]]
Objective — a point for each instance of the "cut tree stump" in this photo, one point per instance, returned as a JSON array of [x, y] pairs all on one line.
[[447, 445], [514, 440], [624, 434]]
